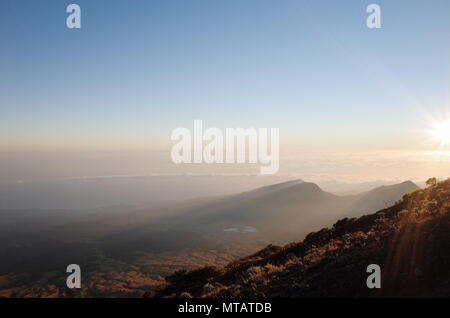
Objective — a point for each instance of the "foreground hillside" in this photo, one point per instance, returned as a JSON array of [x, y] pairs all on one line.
[[410, 241], [125, 251]]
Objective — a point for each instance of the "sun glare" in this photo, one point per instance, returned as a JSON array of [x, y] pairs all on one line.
[[441, 132]]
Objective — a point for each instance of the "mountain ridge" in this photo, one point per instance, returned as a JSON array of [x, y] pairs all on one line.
[[149, 243], [410, 240]]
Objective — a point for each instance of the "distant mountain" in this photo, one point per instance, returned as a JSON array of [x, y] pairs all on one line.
[[282, 211], [410, 241], [275, 213], [155, 240], [381, 197]]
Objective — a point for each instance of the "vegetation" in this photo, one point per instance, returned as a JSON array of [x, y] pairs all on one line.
[[410, 241]]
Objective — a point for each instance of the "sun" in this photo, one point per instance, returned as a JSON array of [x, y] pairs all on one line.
[[441, 132]]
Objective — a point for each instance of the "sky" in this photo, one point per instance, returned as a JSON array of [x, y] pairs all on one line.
[[138, 69]]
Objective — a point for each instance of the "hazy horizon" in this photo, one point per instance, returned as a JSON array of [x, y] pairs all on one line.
[[353, 105], [81, 188]]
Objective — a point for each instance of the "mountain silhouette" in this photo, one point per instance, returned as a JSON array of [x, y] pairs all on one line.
[[282, 211], [149, 242], [409, 240]]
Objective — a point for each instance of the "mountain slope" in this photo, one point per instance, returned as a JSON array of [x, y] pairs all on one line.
[[410, 241], [155, 240], [380, 197], [277, 213]]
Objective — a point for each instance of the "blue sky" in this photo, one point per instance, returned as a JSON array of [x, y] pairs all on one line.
[[138, 69]]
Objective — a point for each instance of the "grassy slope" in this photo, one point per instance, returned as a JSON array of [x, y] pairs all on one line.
[[410, 241]]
